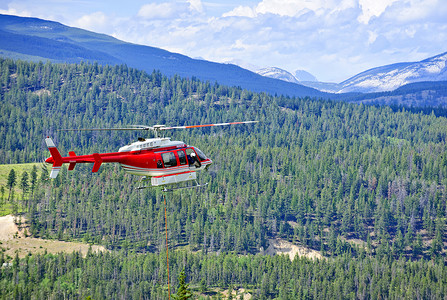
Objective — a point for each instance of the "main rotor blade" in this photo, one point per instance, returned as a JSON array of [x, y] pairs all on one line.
[[206, 125], [157, 128], [105, 129]]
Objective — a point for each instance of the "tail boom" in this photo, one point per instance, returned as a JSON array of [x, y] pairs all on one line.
[[57, 160]]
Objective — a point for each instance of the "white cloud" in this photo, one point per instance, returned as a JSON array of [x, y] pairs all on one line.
[[372, 36], [241, 11], [336, 39], [170, 10], [373, 8], [196, 5], [167, 10], [290, 8], [13, 11], [414, 10], [332, 39], [97, 21]]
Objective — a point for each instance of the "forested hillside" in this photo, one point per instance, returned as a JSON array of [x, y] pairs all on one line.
[[364, 185], [419, 94]]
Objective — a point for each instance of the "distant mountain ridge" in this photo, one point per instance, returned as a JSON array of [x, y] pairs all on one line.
[[379, 79], [418, 94], [302, 75], [36, 39], [277, 73], [391, 77]]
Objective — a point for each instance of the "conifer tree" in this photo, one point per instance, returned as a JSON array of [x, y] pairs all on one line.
[[2, 192], [24, 184], [183, 292], [33, 179], [11, 182]]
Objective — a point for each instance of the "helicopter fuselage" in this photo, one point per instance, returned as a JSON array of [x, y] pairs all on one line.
[[163, 160]]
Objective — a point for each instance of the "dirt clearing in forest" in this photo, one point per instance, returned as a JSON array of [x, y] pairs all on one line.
[[12, 240], [280, 246]]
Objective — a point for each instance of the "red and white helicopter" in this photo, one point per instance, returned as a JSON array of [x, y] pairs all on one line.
[[159, 159]]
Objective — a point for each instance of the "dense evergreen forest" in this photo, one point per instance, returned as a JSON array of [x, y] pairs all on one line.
[[364, 185]]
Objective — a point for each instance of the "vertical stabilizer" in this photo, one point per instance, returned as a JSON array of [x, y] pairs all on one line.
[[98, 162]]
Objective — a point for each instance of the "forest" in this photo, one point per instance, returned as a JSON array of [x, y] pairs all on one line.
[[364, 185]]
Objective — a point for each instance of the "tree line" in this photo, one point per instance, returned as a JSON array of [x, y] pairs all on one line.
[[114, 275]]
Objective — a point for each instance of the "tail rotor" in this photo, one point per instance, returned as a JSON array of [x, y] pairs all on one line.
[[55, 159]]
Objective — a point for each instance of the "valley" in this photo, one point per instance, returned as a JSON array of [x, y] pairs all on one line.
[[338, 192], [363, 187]]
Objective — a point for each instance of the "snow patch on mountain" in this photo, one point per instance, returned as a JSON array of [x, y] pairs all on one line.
[[277, 73]]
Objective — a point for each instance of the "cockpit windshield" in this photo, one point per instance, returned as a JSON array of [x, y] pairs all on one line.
[[200, 154]]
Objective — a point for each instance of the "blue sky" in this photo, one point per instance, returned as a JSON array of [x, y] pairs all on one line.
[[332, 39]]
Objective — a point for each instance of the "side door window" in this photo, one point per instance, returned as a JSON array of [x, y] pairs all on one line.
[[181, 157], [169, 159]]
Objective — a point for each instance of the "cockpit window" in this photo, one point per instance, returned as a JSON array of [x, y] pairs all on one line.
[[200, 154], [191, 158], [169, 159]]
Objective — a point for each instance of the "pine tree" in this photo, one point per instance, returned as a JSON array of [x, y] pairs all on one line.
[[24, 184], [2, 192], [33, 179], [11, 182], [183, 292]]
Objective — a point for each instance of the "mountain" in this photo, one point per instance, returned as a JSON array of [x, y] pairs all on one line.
[[329, 87], [391, 77], [302, 75], [379, 82], [35, 39], [418, 94], [244, 65], [277, 73]]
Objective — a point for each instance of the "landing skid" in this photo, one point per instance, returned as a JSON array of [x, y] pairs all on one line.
[[143, 180]]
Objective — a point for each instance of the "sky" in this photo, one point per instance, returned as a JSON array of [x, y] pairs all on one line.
[[331, 39]]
